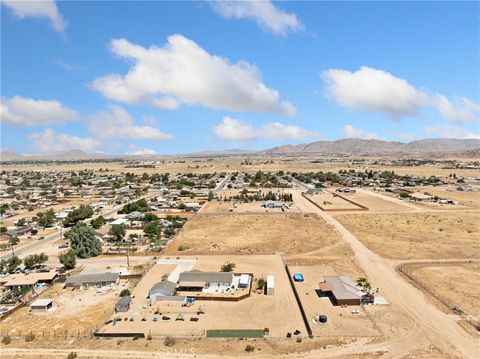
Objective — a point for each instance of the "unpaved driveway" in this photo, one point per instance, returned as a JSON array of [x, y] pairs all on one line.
[[439, 328]]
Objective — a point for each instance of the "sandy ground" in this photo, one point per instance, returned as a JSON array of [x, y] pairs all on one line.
[[328, 201], [291, 234], [436, 235], [76, 313], [341, 322], [412, 321], [376, 202], [279, 312], [456, 283], [465, 199], [237, 207]]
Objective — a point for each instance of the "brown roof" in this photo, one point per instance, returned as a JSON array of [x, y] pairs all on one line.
[[29, 279], [325, 287]]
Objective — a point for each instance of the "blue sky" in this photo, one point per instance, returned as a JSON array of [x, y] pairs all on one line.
[[179, 77]]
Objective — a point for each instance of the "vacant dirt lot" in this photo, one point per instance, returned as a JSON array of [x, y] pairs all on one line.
[[238, 207], [291, 234], [75, 313], [436, 235], [456, 283], [465, 199], [329, 201]]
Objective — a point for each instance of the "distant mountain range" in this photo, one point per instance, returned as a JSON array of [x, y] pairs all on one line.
[[360, 147], [434, 147]]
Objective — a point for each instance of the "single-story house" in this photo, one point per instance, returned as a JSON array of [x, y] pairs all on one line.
[[42, 304], [123, 305], [164, 288], [272, 204], [196, 281], [87, 280], [135, 215], [315, 190], [342, 290], [21, 281]]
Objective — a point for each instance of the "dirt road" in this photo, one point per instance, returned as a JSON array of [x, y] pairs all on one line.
[[439, 328]]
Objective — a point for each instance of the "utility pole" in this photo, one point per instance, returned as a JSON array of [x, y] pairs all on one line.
[[128, 257]]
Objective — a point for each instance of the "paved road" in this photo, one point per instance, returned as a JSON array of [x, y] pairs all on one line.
[[28, 248], [222, 184], [440, 328]]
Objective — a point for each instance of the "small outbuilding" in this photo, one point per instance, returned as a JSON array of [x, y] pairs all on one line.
[[123, 305], [164, 288], [42, 305], [244, 281], [272, 204], [270, 284]]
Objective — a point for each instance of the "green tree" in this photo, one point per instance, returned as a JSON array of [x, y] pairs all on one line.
[[68, 259], [46, 219], [79, 214], [117, 231], [12, 264], [84, 241], [13, 241], [98, 222], [152, 230], [210, 195], [34, 259]]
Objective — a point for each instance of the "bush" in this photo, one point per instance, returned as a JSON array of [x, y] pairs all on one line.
[[149, 336], [72, 355], [84, 241], [125, 292], [228, 267], [169, 341], [6, 340], [30, 337], [183, 247], [249, 348]]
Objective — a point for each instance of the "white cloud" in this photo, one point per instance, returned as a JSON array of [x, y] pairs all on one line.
[[463, 111], [182, 72], [449, 131], [136, 150], [118, 123], [264, 13], [26, 111], [237, 130], [38, 8], [349, 131], [51, 141], [375, 90]]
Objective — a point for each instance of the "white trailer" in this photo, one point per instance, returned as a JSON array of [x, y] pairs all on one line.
[[270, 284]]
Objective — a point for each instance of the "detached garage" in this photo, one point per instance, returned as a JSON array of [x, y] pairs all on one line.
[[42, 305]]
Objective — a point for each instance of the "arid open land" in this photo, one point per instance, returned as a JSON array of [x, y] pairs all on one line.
[[240, 256]]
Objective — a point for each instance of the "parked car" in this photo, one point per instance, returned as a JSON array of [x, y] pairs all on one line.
[[62, 246], [41, 238]]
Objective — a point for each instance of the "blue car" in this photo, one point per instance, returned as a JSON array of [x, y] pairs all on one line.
[[298, 277]]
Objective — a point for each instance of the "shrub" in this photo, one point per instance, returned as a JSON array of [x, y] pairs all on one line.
[[6, 340], [227, 267], [72, 355], [249, 348], [183, 247], [125, 292], [30, 337], [169, 341]]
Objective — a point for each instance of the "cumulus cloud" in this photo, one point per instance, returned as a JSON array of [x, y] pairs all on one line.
[[264, 13], [450, 131], [237, 130], [136, 150], [37, 8], [118, 123], [375, 90], [51, 141], [182, 72], [349, 131], [23, 111]]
